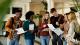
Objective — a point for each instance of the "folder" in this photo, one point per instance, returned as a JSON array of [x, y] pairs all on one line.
[[20, 31], [58, 31]]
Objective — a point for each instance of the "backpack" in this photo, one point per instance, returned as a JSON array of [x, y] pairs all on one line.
[[6, 33]]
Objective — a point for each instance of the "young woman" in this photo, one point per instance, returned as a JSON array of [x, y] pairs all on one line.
[[72, 28], [44, 30], [66, 28]]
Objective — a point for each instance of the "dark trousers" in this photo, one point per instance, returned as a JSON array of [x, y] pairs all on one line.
[[56, 39]]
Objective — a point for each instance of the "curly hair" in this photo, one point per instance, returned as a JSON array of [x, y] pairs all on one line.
[[29, 14]]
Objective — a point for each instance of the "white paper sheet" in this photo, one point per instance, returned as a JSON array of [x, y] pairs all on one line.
[[20, 31], [31, 26], [46, 29], [58, 31]]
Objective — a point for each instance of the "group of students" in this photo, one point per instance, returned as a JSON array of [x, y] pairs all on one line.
[[67, 23]]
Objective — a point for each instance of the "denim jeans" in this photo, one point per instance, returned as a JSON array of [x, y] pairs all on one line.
[[14, 42], [29, 41], [8, 40], [44, 40], [64, 42], [56, 39]]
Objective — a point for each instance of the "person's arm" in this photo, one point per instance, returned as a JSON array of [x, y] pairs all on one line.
[[20, 24], [51, 20], [50, 33], [71, 29], [70, 36], [35, 28], [25, 26]]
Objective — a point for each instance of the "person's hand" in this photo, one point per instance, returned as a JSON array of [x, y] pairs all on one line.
[[79, 43], [15, 31], [44, 25], [51, 37], [32, 31], [57, 23]]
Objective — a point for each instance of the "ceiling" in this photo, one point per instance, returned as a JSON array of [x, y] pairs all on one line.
[[53, 0], [56, 1], [37, 1]]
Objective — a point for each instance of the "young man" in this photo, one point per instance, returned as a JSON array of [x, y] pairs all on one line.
[[11, 25], [29, 36], [54, 22]]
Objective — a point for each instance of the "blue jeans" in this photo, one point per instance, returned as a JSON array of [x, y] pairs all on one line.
[[64, 42], [56, 39], [14, 42], [44, 40], [29, 41]]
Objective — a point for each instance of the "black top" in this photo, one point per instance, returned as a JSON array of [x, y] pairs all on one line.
[[53, 21]]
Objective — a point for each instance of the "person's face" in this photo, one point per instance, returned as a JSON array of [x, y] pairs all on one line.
[[46, 16], [65, 18], [54, 13], [61, 26], [69, 17], [18, 14]]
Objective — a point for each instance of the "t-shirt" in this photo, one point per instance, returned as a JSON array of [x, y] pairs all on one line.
[[44, 26], [28, 35], [54, 20]]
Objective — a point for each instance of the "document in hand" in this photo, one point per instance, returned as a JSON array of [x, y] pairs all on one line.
[[31, 26], [20, 31], [58, 31]]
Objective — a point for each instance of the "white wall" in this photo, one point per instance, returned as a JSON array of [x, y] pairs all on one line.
[[50, 4], [24, 4]]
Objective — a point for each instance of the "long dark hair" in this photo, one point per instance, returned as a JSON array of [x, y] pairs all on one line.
[[61, 19]]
